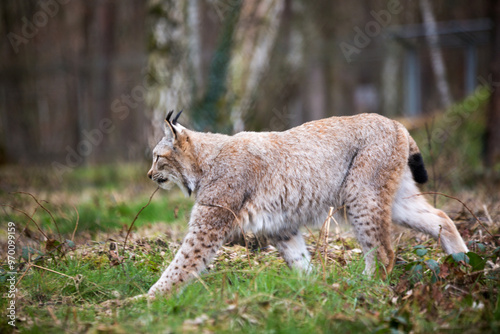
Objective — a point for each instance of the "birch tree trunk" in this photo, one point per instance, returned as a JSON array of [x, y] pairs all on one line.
[[174, 35], [438, 66], [254, 38]]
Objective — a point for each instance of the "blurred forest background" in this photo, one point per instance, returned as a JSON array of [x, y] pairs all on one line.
[[89, 81], [85, 86]]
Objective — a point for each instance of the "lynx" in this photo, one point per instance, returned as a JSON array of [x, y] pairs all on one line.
[[273, 183]]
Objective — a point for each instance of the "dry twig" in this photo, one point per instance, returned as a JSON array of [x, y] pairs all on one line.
[[44, 208], [76, 224], [27, 215], [43, 268], [195, 274], [137, 216], [53, 271]]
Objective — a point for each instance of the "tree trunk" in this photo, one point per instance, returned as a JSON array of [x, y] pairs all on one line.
[[254, 39], [436, 55], [103, 69], [168, 67]]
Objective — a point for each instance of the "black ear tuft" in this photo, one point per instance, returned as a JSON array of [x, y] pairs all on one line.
[[169, 126], [174, 121], [167, 119]]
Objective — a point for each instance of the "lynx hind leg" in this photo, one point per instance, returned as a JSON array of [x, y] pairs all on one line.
[[415, 212], [369, 211], [368, 194], [292, 248], [372, 225]]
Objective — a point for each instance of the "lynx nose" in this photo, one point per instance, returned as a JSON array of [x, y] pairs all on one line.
[[150, 174]]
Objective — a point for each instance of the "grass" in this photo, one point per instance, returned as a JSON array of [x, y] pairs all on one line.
[[87, 195], [235, 298], [86, 287]]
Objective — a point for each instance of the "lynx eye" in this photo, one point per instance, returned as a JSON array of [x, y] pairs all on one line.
[[161, 163]]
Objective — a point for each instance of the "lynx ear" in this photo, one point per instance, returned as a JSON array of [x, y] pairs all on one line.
[[171, 126], [170, 132]]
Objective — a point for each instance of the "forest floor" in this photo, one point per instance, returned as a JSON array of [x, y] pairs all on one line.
[[73, 272]]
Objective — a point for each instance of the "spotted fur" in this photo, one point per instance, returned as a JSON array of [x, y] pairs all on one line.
[[273, 183]]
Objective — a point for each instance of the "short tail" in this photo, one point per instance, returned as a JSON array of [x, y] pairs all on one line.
[[416, 163]]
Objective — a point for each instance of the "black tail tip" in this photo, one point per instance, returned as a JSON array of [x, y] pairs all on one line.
[[417, 168]]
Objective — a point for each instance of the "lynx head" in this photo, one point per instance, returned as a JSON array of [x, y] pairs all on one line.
[[173, 158]]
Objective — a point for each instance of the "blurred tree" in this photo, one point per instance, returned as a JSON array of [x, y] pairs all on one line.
[[437, 62], [67, 68], [18, 124], [263, 65], [254, 39], [105, 12], [493, 124], [170, 85], [211, 111]]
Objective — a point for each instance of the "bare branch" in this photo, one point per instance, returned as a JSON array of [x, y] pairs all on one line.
[[44, 208], [137, 215], [27, 215]]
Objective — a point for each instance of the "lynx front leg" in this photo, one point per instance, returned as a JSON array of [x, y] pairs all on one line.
[[293, 250], [208, 229]]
